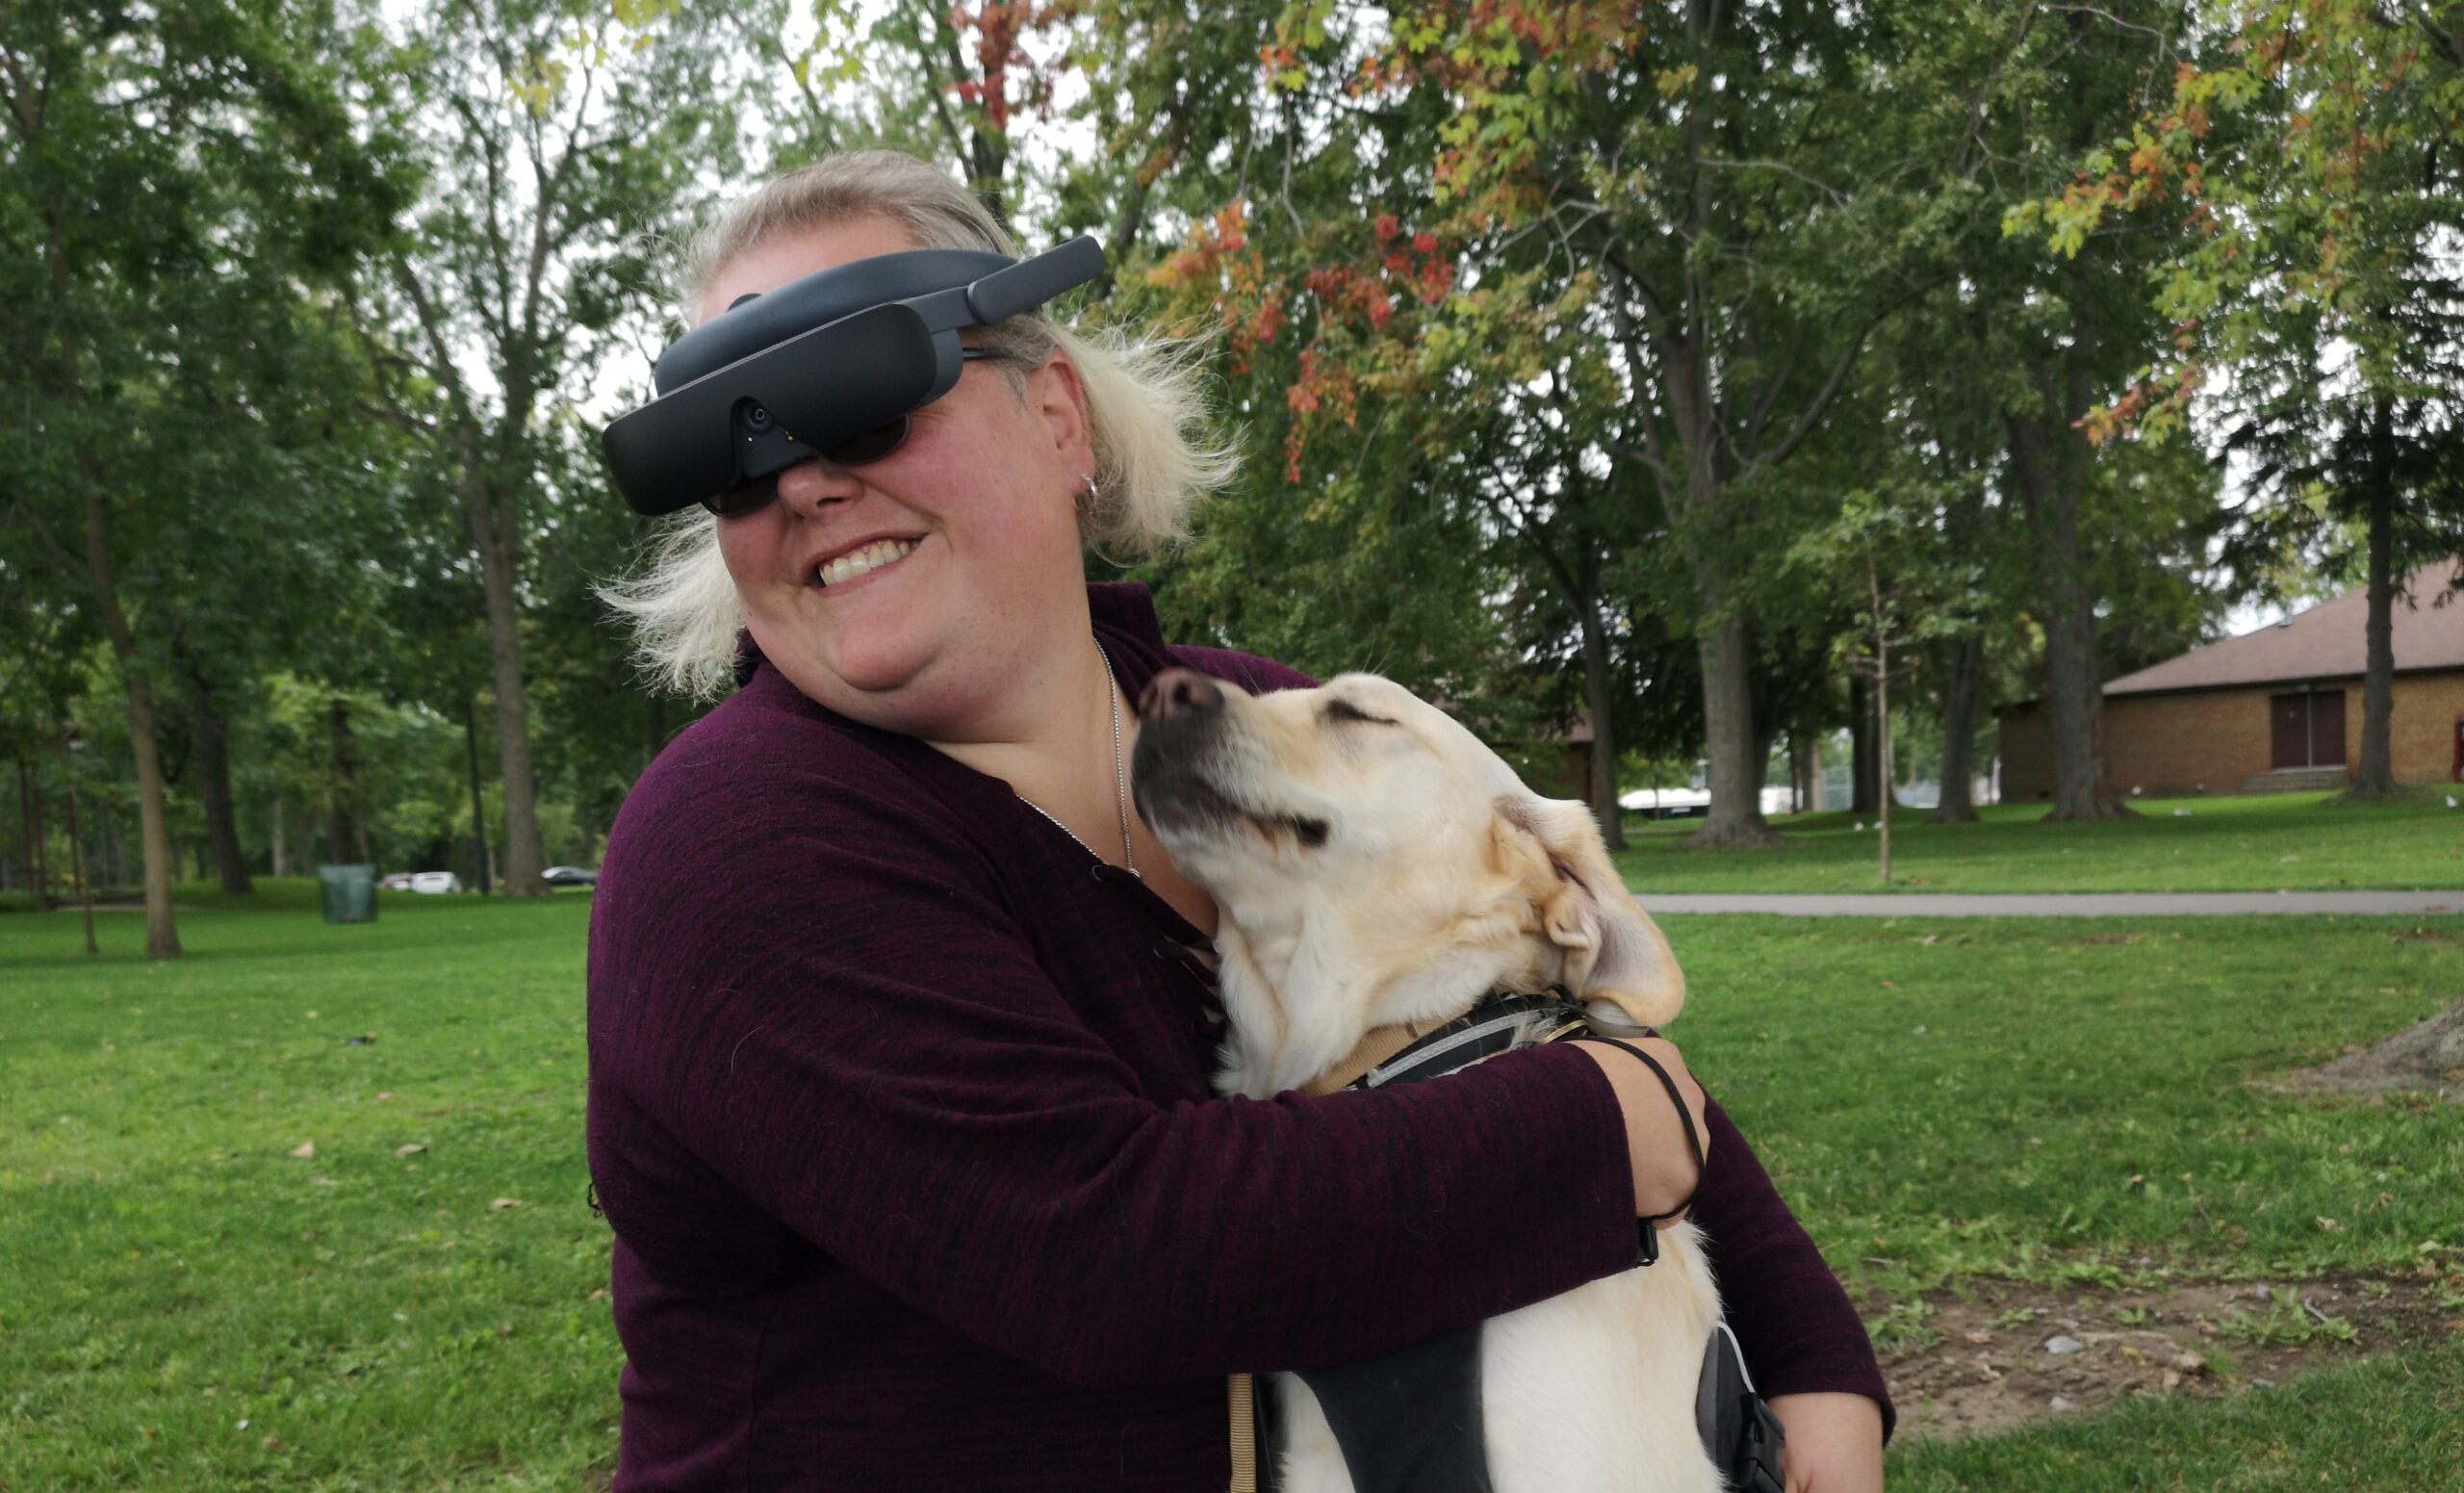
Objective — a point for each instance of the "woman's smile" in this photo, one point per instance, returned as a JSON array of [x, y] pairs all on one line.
[[849, 567]]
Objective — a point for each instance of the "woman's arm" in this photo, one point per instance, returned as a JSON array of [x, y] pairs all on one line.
[[1801, 1336], [1835, 1443], [869, 1050]]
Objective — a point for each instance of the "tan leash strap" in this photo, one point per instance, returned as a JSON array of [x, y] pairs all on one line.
[[1244, 1434], [1375, 1048]]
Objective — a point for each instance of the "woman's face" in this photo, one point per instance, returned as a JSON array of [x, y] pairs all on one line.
[[977, 506]]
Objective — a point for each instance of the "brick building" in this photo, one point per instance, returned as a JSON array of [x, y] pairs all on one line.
[[2273, 709]]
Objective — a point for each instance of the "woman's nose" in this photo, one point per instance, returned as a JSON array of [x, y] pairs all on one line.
[[810, 485]]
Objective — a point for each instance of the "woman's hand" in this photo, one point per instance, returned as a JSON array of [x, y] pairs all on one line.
[[1834, 1442], [1665, 1170]]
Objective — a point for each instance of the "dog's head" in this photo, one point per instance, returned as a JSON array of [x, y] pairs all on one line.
[[1358, 815]]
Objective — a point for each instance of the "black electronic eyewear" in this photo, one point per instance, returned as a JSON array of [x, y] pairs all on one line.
[[830, 365]]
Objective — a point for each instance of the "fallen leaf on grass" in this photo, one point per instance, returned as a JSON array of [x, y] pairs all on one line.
[[306, 1149], [272, 1443], [502, 1203], [322, 1181], [384, 1098], [412, 1150], [599, 1294]]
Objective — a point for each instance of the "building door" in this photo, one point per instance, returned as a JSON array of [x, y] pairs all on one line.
[[2327, 730], [2306, 730]]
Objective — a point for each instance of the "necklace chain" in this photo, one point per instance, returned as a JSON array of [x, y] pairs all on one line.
[[1120, 777], [1120, 769]]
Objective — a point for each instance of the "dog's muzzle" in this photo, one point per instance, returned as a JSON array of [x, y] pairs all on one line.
[[1181, 721]]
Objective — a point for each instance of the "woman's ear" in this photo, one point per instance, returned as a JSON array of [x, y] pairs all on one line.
[[1613, 951], [1055, 393]]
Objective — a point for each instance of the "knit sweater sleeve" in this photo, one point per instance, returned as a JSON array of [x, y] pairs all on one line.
[[1798, 1329], [816, 989]]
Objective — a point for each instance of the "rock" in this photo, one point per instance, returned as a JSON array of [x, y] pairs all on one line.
[[2061, 1404], [2062, 1344]]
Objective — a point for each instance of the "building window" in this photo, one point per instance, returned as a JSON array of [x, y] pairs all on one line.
[[2306, 730]]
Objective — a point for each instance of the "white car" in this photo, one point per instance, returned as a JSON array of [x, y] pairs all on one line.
[[433, 882]]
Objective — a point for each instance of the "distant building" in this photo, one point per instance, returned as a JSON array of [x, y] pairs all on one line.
[[2274, 710]]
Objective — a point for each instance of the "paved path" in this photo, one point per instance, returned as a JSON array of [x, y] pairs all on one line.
[[2100, 904]]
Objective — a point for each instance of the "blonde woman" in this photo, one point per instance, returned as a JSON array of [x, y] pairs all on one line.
[[900, 1025]]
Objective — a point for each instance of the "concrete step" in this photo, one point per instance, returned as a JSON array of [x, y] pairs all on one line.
[[2298, 779]]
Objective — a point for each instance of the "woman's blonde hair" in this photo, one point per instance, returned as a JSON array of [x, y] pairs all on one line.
[[1147, 418]]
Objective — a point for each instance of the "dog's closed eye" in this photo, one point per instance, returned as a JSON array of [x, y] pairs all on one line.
[[1338, 708]]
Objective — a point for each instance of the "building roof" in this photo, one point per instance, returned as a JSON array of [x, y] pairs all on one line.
[[2324, 642]]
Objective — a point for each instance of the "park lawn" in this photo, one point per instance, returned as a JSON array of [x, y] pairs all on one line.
[[2299, 841], [1935, 1109]]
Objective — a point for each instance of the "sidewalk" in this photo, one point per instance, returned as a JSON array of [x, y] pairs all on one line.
[[2097, 903]]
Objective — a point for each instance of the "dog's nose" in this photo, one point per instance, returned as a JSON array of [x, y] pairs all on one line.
[[1176, 692]]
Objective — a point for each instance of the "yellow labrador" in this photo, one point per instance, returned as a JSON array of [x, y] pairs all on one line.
[[1377, 867]]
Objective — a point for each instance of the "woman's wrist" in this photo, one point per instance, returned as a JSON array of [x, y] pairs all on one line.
[[1662, 1154], [1834, 1442]]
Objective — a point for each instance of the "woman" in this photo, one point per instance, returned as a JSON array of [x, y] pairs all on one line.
[[899, 1026]]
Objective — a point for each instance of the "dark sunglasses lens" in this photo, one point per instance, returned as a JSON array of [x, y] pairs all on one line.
[[871, 446], [854, 452], [744, 497]]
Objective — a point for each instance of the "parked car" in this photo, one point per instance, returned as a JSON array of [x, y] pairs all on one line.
[[569, 876], [432, 883], [399, 881]]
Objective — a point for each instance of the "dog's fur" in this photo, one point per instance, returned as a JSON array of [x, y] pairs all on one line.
[[1373, 865]]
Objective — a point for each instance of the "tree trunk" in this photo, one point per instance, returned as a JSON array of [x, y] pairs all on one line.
[[214, 794], [492, 523], [281, 840], [162, 936], [1599, 694], [479, 810], [77, 850], [1864, 763], [1736, 821], [2051, 477], [1963, 663], [37, 854], [341, 783], [2377, 776]]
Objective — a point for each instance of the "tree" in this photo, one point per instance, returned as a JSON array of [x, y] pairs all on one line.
[[2320, 303], [554, 136], [1689, 194], [147, 160]]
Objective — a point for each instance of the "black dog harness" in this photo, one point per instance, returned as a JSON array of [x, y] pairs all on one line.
[[1409, 1421]]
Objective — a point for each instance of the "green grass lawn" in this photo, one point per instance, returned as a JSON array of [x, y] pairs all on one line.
[[2292, 841], [1940, 1100]]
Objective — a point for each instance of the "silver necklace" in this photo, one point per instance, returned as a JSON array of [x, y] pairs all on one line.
[[1120, 778]]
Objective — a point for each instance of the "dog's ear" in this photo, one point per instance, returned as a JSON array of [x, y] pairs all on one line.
[[1613, 952]]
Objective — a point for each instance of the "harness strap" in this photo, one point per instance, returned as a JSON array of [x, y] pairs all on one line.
[[1244, 1433], [1413, 1050], [1409, 1422]]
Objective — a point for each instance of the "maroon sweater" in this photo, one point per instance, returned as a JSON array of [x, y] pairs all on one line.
[[899, 1107]]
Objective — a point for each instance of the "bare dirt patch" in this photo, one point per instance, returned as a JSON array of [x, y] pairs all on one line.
[[2426, 1058], [2009, 1354]]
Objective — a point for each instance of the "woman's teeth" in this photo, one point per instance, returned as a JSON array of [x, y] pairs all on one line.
[[871, 557]]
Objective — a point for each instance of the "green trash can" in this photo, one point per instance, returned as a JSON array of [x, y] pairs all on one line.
[[349, 893]]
